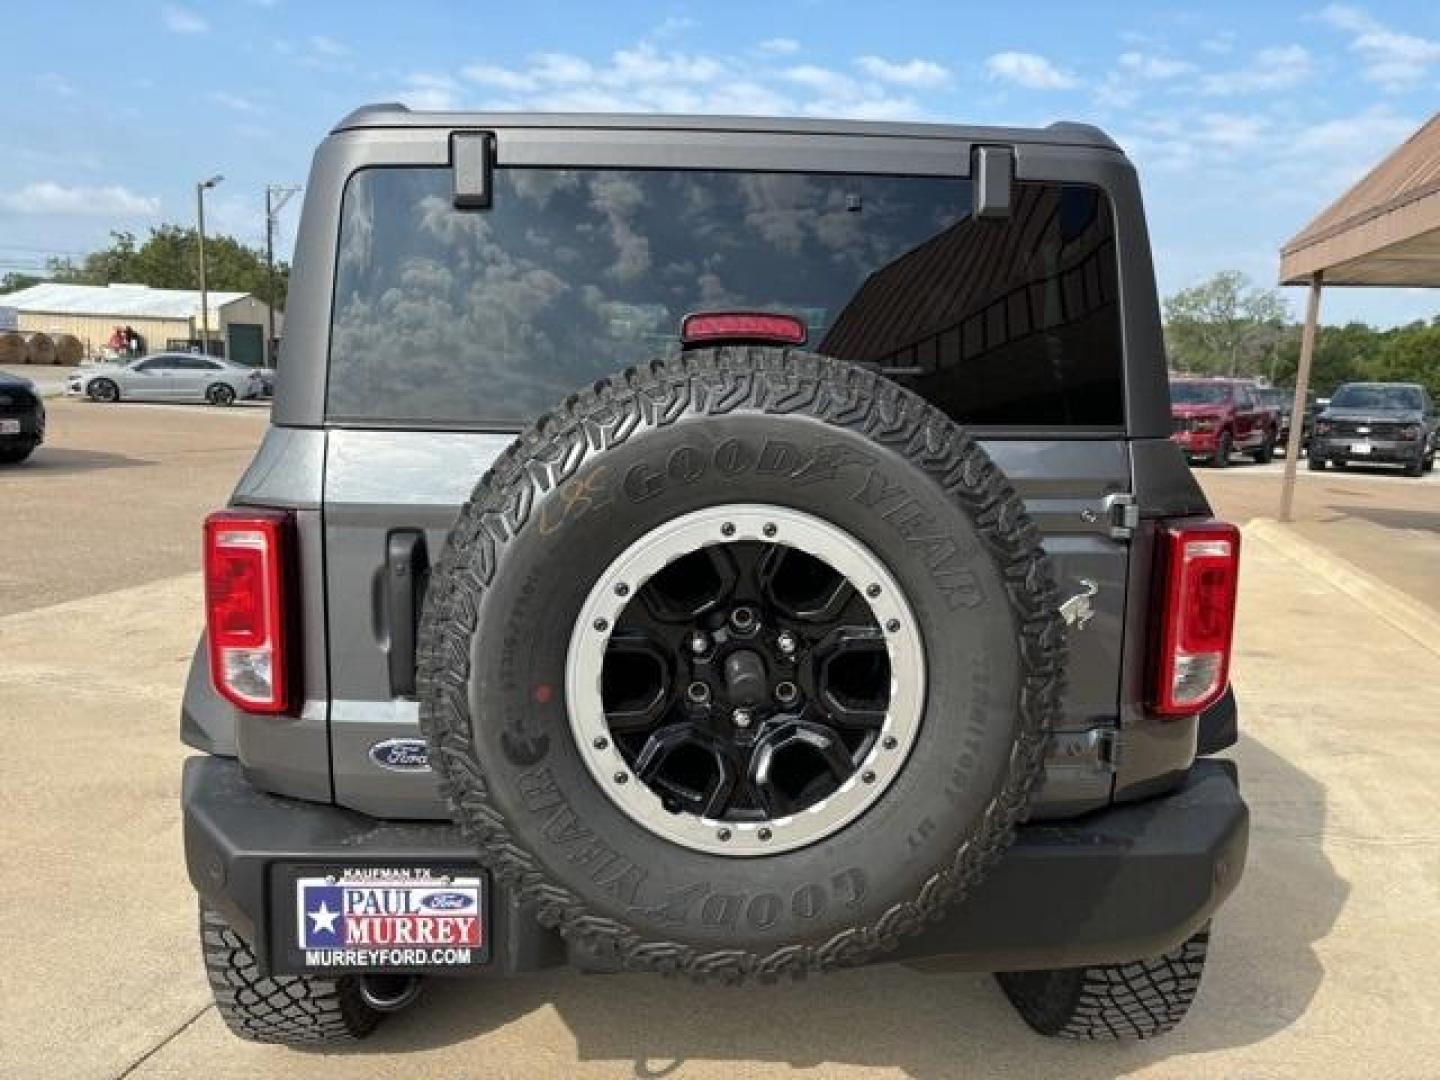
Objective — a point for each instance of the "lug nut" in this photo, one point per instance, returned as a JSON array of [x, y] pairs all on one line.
[[741, 718], [698, 692], [786, 693], [787, 643], [699, 643]]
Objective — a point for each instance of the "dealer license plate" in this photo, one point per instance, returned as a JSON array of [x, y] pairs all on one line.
[[9, 427], [1359, 448], [401, 918]]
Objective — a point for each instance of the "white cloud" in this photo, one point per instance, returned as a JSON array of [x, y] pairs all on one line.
[[922, 73], [1231, 130], [779, 46], [54, 83], [327, 46], [1396, 61], [429, 91], [183, 20], [499, 77], [1274, 68], [648, 78], [1153, 66], [234, 102], [48, 197], [1029, 70]]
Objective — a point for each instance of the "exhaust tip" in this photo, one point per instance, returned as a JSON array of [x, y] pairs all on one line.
[[389, 993]]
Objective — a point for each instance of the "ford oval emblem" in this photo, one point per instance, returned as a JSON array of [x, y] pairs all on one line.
[[446, 901], [401, 755]]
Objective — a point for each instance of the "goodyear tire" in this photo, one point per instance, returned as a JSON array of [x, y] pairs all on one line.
[[755, 443]]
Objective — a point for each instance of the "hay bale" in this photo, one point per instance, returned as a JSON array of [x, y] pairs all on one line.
[[13, 349], [42, 349], [69, 350]]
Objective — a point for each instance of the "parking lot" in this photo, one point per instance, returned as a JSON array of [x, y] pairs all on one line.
[[1324, 963]]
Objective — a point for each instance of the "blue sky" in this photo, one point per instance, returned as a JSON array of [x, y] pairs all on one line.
[[1245, 119]]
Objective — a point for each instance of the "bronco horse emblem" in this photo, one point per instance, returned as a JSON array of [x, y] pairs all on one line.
[[1078, 611]]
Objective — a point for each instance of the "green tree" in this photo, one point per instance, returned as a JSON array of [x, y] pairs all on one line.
[[1408, 354], [1225, 326], [14, 281], [1342, 354], [169, 259]]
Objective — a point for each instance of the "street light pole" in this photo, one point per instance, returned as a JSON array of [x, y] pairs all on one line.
[[276, 196], [204, 293]]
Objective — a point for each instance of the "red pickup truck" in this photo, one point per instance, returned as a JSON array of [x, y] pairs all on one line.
[[1214, 417]]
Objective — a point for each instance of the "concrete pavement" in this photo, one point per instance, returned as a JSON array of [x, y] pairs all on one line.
[[116, 496], [1323, 965], [1372, 516]]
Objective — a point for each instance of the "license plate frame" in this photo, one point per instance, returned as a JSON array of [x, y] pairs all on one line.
[[10, 427], [388, 927], [1361, 448]]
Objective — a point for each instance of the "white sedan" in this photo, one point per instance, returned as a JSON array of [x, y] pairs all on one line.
[[167, 377]]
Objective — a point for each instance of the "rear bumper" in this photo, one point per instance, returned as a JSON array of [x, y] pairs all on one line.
[[1117, 885]]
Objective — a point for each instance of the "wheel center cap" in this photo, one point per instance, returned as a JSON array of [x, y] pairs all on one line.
[[745, 682]]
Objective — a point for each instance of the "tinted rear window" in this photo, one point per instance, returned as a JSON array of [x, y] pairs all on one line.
[[489, 318]]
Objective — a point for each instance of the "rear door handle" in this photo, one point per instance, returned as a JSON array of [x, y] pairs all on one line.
[[407, 566]]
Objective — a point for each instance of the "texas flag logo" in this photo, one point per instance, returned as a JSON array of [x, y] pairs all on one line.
[[381, 914]]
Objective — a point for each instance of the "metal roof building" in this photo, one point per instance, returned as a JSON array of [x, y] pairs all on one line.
[[164, 318]]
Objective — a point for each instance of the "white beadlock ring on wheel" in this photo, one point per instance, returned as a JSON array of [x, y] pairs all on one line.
[[716, 526]]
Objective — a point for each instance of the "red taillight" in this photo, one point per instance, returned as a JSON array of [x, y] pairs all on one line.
[[708, 326], [1199, 566], [246, 607]]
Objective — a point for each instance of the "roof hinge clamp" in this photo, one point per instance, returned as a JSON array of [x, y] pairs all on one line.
[[472, 163], [1122, 514], [992, 178]]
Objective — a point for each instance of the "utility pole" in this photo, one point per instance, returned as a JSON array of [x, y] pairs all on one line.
[[200, 190], [276, 196]]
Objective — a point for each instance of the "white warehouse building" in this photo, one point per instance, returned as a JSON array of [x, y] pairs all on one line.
[[163, 318]]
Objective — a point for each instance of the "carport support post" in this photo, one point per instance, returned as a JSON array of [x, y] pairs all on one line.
[[1302, 384]]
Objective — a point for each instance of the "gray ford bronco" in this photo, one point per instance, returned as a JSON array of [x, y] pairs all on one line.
[[727, 548]]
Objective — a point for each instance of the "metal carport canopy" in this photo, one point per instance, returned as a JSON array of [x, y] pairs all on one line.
[[1383, 231]]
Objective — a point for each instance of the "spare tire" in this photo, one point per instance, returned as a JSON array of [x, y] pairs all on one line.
[[740, 664]]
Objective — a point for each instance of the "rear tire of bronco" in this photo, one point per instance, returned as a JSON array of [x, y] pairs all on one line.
[[290, 1009], [678, 775], [1139, 1000]]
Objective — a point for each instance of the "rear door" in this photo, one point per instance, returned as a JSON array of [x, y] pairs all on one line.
[[453, 328], [192, 375]]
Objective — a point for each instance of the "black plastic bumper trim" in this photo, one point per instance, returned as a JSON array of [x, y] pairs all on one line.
[[1117, 885]]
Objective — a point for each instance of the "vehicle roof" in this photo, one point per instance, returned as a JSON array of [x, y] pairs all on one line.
[[394, 115]]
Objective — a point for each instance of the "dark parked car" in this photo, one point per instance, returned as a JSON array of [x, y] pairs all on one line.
[[1211, 418], [1376, 424], [1283, 402], [575, 612], [22, 419]]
